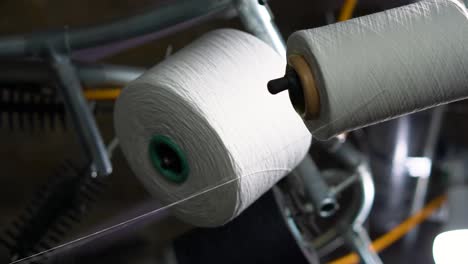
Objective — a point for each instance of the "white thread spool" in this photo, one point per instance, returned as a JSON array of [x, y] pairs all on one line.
[[211, 100], [384, 65]]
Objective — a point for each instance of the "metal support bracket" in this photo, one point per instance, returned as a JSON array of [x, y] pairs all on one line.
[[76, 105]]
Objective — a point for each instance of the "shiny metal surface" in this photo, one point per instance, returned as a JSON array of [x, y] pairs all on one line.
[[258, 19], [316, 189], [368, 189], [83, 120], [430, 144]]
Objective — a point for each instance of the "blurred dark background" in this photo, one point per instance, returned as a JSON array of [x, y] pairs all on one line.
[[28, 158]]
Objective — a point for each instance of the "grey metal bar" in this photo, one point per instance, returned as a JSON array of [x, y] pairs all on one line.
[[82, 117], [422, 185], [428, 152], [258, 19], [368, 193], [345, 184], [355, 161], [351, 224], [316, 189], [66, 40]]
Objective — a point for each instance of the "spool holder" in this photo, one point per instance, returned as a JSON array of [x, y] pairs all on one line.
[[301, 85]]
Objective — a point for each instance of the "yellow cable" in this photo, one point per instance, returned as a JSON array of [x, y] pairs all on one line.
[[101, 94], [347, 10], [398, 232]]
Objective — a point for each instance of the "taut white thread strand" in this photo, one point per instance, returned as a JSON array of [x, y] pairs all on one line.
[[417, 53], [210, 98], [117, 227]]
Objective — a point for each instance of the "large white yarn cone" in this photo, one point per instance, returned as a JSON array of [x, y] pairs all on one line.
[[210, 102]]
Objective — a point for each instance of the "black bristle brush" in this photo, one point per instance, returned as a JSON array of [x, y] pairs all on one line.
[[30, 107], [53, 211]]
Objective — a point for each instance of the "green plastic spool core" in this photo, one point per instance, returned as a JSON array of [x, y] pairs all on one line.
[[168, 159]]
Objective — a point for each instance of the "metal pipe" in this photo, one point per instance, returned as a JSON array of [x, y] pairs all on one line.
[[345, 184], [390, 145], [428, 152], [258, 19], [354, 160], [422, 185], [67, 40], [368, 193], [316, 189], [82, 117], [355, 234], [351, 223]]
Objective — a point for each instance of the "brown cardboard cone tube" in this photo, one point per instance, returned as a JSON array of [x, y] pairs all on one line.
[[311, 109]]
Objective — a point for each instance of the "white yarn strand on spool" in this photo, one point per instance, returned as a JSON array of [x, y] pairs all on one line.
[[210, 99], [380, 66]]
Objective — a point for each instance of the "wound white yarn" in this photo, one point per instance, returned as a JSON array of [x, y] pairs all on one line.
[[211, 99], [387, 64]]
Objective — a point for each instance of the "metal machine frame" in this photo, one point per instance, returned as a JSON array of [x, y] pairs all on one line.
[[40, 57]]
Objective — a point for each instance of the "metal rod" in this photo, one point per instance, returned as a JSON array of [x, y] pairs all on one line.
[[368, 194], [258, 19], [357, 212], [66, 40], [345, 184], [428, 152], [82, 117], [422, 185], [316, 189]]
